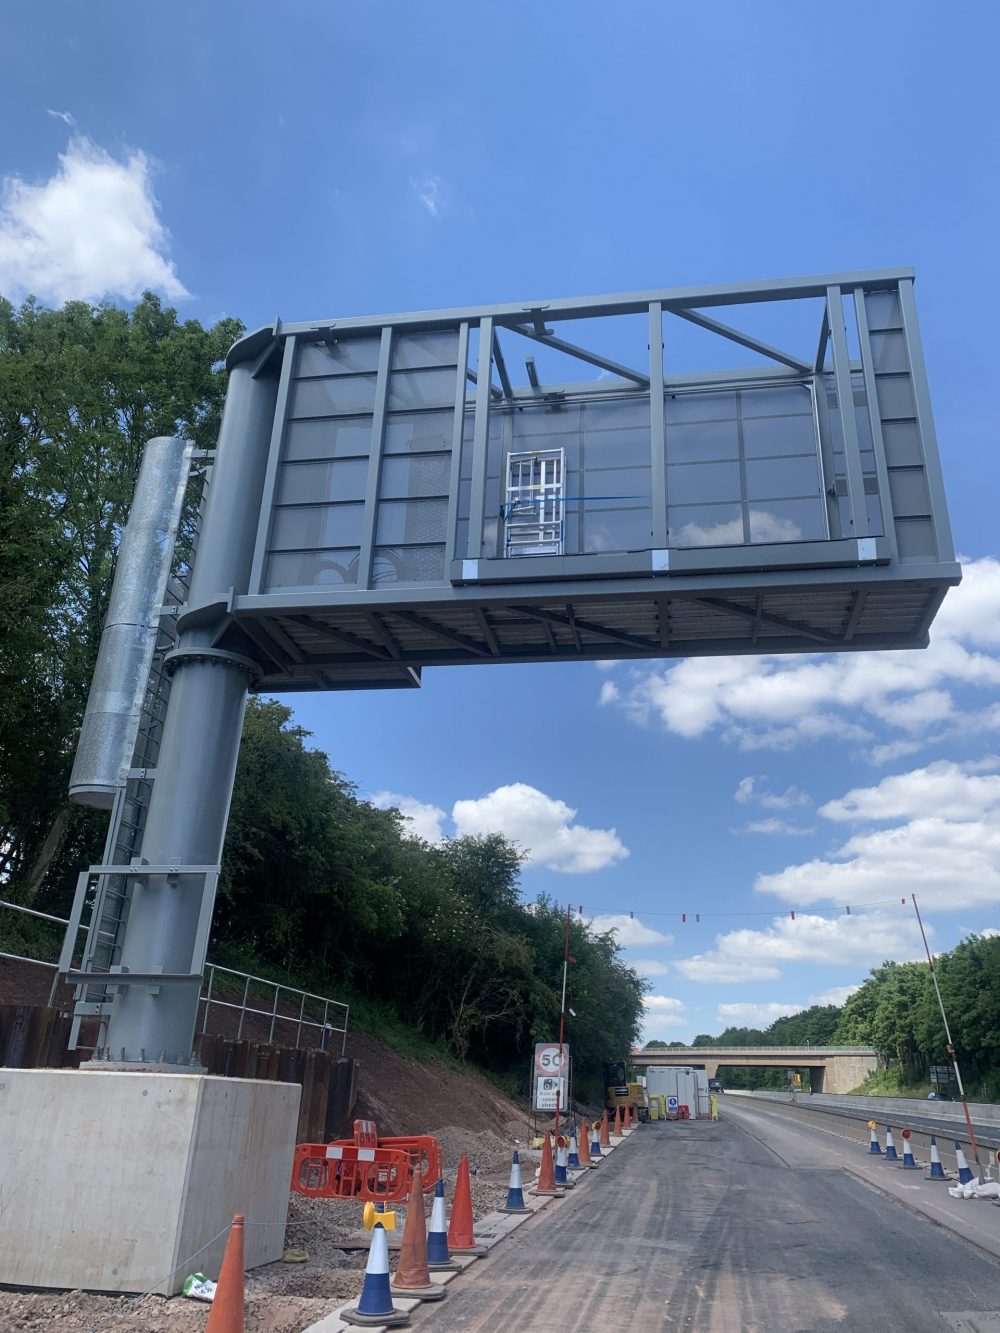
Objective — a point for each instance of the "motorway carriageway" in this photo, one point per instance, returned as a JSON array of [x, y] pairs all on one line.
[[923, 1123], [759, 1223]]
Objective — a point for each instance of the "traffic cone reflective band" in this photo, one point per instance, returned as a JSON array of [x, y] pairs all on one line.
[[873, 1145], [909, 1161], [546, 1183], [375, 1306], [891, 1155], [561, 1178], [412, 1275], [226, 1314], [439, 1259], [595, 1142], [461, 1238], [515, 1193], [617, 1131], [964, 1172], [605, 1134], [937, 1170], [573, 1158], [584, 1142]]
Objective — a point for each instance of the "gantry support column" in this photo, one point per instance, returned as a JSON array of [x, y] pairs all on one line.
[[153, 1024]]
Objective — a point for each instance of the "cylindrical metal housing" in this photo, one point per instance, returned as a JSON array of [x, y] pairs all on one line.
[[108, 735]]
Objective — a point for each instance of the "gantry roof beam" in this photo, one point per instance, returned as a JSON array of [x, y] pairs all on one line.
[[590, 307], [581, 354], [744, 339]]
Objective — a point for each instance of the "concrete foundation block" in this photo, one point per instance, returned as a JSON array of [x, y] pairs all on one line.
[[108, 1180]]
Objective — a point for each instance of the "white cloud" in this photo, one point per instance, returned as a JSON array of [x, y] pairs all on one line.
[[837, 995], [772, 825], [428, 191], [774, 702], [663, 1013], [650, 967], [856, 941], [90, 230], [751, 789], [64, 116], [990, 932], [949, 865], [663, 1004], [946, 849], [426, 821], [543, 826], [715, 968], [943, 789], [754, 1013], [631, 932], [609, 692], [886, 754]]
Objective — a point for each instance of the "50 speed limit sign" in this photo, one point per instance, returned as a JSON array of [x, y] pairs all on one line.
[[551, 1058]]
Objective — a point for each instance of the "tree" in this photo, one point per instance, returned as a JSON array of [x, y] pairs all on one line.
[[81, 391]]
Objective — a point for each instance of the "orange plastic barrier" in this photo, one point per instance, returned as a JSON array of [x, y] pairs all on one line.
[[366, 1167], [424, 1151], [345, 1171]]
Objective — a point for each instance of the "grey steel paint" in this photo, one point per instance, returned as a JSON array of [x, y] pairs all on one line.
[[108, 734]]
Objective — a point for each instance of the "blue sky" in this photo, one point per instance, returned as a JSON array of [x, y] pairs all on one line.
[[317, 160]]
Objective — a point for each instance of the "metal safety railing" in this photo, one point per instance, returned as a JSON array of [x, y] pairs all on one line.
[[41, 916], [331, 1020], [331, 1008]]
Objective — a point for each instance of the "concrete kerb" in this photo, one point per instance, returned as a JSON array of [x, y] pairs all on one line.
[[490, 1231]]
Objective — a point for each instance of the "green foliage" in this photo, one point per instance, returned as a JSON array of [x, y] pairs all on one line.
[[891, 1083], [81, 391], [435, 942]]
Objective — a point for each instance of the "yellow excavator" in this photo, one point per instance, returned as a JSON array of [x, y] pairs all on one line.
[[619, 1091]]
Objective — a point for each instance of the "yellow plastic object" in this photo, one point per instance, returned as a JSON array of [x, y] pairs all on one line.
[[536, 1142], [871, 1124], [370, 1215], [713, 1102], [654, 1108]]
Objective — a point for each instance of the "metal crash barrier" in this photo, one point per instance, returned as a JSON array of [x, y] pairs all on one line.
[[366, 1168]]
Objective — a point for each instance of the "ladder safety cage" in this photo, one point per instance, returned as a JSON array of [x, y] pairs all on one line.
[[535, 502]]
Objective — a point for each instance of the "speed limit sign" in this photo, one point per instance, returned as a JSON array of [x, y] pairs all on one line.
[[551, 1058]]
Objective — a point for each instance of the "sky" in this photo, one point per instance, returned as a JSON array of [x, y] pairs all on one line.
[[324, 159]]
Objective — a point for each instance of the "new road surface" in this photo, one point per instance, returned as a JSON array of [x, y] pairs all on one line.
[[756, 1224]]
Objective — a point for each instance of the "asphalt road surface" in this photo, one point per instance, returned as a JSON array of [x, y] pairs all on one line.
[[750, 1225]]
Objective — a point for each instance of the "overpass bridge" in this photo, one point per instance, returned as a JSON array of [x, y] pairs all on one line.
[[832, 1068]]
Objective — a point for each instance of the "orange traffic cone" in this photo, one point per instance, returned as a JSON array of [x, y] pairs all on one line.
[[605, 1135], [583, 1142], [628, 1119], [226, 1314], [413, 1277], [461, 1237], [617, 1129], [546, 1172]]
